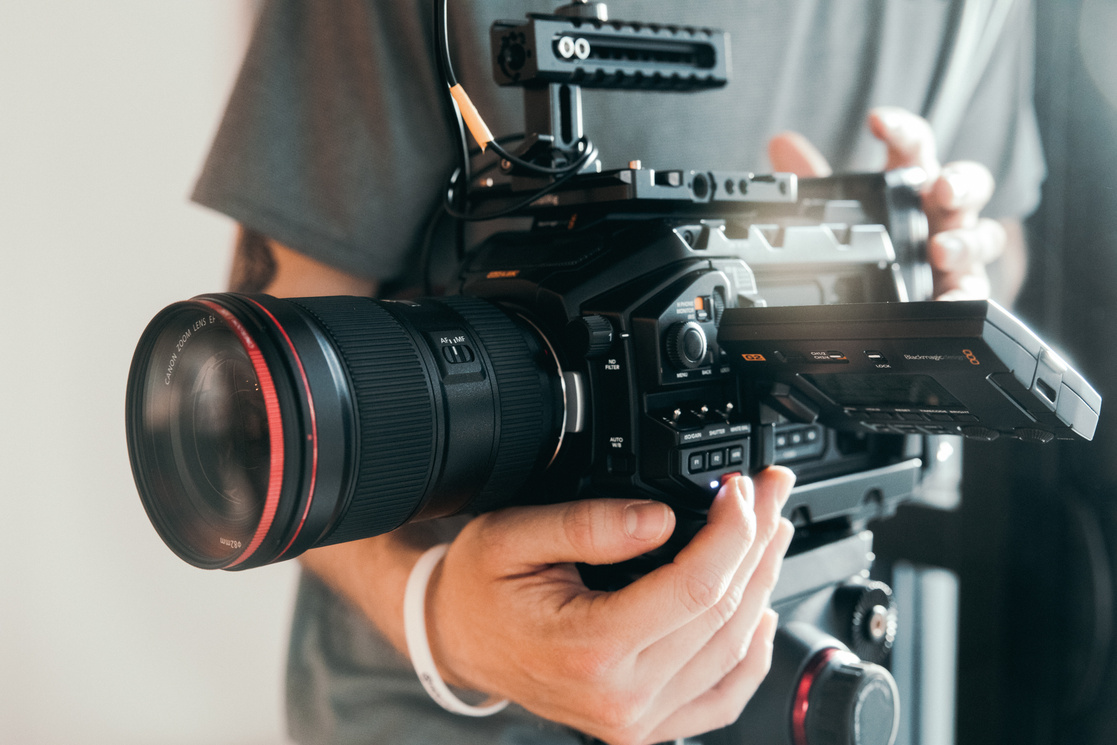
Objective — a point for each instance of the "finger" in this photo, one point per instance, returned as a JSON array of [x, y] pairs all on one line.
[[972, 285], [722, 704], [962, 185], [907, 137], [962, 250], [757, 571], [791, 152], [729, 645], [674, 594], [593, 531]]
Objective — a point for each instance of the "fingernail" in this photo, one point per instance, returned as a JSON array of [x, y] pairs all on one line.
[[959, 189], [774, 624], [645, 521], [950, 250], [746, 490], [888, 118]]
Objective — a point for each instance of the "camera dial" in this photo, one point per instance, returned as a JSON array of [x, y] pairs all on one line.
[[686, 345]]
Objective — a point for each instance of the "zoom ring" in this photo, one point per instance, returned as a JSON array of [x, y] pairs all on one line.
[[394, 404]]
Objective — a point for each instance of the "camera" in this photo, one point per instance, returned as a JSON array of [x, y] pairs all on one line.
[[651, 334]]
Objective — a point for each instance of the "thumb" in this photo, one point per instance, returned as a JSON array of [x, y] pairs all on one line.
[[791, 152], [591, 531]]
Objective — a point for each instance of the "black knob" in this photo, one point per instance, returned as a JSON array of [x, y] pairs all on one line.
[[1032, 434], [866, 613], [980, 433], [686, 345], [843, 701], [590, 336]]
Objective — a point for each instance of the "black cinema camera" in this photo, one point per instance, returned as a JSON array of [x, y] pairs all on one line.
[[652, 333]]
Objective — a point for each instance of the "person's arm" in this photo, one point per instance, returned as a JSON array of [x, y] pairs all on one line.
[[676, 653], [965, 249]]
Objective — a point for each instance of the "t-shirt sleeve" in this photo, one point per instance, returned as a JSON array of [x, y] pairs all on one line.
[[334, 140]]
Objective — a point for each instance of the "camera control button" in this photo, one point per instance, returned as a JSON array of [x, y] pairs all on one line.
[[686, 345], [736, 455], [715, 459], [696, 463]]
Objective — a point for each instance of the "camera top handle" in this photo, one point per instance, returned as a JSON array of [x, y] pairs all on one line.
[[553, 56]]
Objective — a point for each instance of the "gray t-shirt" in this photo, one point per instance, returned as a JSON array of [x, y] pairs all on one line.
[[335, 143]]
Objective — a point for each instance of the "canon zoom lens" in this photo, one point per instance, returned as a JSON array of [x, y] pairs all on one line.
[[259, 428]]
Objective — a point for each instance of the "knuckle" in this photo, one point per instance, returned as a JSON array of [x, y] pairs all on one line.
[[766, 529], [618, 713], [594, 664], [724, 610], [701, 589], [578, 527]]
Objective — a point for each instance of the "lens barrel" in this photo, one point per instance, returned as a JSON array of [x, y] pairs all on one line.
[[259, 428]]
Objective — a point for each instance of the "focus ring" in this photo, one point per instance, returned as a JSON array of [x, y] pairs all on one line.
[[396, 432], [520, 392]]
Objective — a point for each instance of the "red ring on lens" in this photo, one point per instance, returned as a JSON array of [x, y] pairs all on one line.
[[803, 692], [275, 427], [313, 428]]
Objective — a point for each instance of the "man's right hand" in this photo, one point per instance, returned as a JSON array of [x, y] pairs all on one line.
[[676, 653]]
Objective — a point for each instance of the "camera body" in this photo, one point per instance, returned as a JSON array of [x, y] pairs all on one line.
[[630, 292]]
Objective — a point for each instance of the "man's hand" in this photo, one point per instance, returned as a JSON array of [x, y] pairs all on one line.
[[676, 653], [962, 242]]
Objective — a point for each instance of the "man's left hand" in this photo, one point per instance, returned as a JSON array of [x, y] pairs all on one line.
[[962, 243]]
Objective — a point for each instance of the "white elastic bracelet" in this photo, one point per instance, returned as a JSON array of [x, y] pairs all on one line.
[[418, 647]]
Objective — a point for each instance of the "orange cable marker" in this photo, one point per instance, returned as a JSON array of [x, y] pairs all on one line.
[[472, 118]]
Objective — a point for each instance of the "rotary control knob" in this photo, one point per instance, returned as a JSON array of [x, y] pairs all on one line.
[[841, 700], [590, 336], [818, 693], [868, 613], [686, 345], [1032, 434]]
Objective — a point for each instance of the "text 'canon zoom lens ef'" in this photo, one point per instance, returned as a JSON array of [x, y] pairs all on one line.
[[259, 428]]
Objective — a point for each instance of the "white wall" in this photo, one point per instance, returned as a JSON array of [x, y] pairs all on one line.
[[106, 110]]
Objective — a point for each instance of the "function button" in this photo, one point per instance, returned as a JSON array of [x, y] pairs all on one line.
[[966, 418], [831, 356], [880, 416], [726, 477], [715, 459], [736, 455], [696, 463], [910, 416], [811, 435], [795, 438], [702, 307], [876, 357], [940, 417]]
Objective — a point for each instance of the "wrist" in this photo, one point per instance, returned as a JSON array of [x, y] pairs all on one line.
[[418, 640]]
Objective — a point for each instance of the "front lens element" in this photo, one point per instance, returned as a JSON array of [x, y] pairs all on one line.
[[209, 432]]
